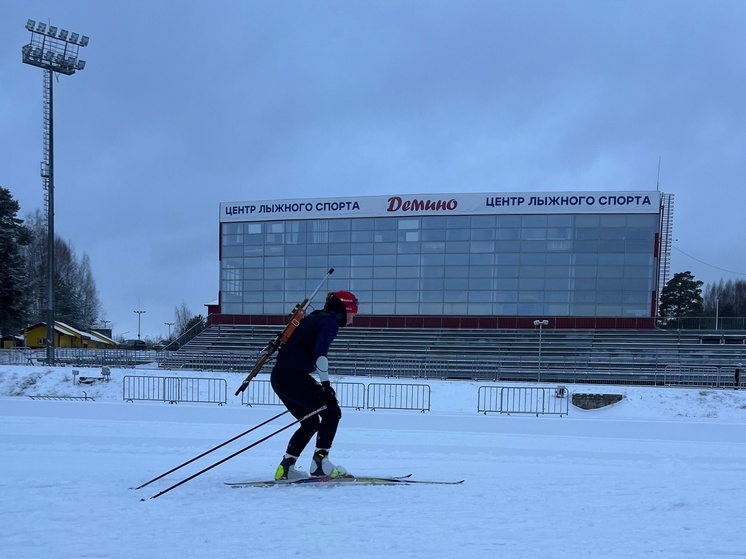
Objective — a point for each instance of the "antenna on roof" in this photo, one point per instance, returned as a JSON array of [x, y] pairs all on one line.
[[658, 178]]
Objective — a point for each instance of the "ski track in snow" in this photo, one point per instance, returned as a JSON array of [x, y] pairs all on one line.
[[660, 474]]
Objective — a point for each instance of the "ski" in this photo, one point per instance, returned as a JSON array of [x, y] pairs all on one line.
[[323, 479], [343, 480]]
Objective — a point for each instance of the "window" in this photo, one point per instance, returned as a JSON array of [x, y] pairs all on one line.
[[385, 236], [482, 222], [408, 236], [385, 223], [486, 247], [339, 225], [409, 223], [476, 284], [458, 235], [339, 248], [339, 236], [434, 235], [362, 224], [408, 272], [357, 260], [362, 237], [383, 272], [434, 222]]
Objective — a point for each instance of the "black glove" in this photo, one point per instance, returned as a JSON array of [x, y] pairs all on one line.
[[329, 392]]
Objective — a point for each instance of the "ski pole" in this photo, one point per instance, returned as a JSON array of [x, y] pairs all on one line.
[[221, 445], [252, 445]]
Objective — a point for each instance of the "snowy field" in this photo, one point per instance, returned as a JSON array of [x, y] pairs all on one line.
[[661, 474]]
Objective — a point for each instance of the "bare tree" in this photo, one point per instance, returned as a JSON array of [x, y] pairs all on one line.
[[76, 296], [90, 304], [182, 316], [725, 298], [34, 255]]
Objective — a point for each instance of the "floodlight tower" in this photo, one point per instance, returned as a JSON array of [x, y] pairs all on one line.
[[52, 51], [139, 314]]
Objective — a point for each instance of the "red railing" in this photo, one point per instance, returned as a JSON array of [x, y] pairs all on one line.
[[459, 322]]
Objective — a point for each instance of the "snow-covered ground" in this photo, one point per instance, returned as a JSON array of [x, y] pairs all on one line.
[[662, 473]]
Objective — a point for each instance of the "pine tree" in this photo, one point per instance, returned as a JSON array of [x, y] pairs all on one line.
[[13, 276], [682, 296]]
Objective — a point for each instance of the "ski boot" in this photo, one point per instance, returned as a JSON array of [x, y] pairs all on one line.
[[321, 466], [286, 469]]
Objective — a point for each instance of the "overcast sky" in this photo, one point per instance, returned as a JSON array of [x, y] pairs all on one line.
[[183, 105]]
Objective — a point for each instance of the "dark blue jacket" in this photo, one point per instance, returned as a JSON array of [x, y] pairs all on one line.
[[311, 339]]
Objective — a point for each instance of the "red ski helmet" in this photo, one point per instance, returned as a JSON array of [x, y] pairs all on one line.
[[348, 300]]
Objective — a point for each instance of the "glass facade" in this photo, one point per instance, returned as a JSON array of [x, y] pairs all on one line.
[[511, 265]]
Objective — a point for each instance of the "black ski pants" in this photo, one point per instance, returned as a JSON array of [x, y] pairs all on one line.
[[301, 395]]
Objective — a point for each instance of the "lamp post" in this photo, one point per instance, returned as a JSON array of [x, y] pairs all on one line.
[[139, 314], [52, 51], [540, 324], [169, 324]]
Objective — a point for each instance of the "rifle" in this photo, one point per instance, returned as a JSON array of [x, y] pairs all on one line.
[[280, 339]]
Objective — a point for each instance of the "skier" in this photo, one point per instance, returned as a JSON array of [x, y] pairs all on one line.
[[304, 353]]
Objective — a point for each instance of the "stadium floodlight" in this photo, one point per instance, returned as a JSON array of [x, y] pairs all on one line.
[[139, 315], [51, 52]]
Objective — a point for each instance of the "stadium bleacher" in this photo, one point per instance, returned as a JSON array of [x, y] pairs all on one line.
[[615, 356]]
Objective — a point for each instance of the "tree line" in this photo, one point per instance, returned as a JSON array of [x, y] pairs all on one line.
[[683, 296], [23, 279], [23, 275]]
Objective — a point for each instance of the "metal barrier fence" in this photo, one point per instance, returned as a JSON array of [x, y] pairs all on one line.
[[412, 367], [175, 389], [207, 360], [78, 357], [350, 394], [260, 392], [518, 399], [677, 365], [682, 375], [399, 396]]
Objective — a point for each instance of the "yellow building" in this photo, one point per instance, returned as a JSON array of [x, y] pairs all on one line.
[[10, 342], [65, 336]]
